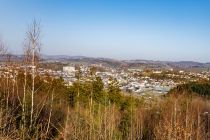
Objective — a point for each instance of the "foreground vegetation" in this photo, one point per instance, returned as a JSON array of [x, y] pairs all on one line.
[[88, 110]]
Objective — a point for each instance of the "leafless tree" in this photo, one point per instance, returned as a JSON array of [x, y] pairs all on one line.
[[3, 48], [33, 40]]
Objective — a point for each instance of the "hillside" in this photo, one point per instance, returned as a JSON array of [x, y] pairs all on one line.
[[127, 63], [197, 88]]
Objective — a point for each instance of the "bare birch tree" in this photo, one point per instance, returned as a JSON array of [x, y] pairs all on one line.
[[33, 38], [3, 49]]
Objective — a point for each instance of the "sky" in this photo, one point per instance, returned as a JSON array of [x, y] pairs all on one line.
[[167, 30]]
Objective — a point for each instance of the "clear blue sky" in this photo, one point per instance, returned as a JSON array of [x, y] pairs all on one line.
[[123, 29]]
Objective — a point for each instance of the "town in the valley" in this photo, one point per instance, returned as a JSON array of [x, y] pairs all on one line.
[[139, 81]]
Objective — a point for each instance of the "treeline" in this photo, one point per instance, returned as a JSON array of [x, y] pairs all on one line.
[[198, 88]]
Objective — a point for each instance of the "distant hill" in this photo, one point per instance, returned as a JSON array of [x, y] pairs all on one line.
[[115, 63], [188, 64], [128, 63], [62, 57], [10, 57]]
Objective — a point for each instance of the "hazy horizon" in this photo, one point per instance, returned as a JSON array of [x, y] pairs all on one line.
[[122, 59], [124, 30]]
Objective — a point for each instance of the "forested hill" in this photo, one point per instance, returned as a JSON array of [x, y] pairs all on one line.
[[199, 88]]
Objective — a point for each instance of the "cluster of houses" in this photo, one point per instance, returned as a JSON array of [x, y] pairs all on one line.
[[127, 82], [126, 78]]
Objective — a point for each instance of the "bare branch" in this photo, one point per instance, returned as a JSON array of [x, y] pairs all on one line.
[[3, 49], [33, 42]]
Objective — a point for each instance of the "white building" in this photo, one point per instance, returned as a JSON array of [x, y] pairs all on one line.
[[69, 70]]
